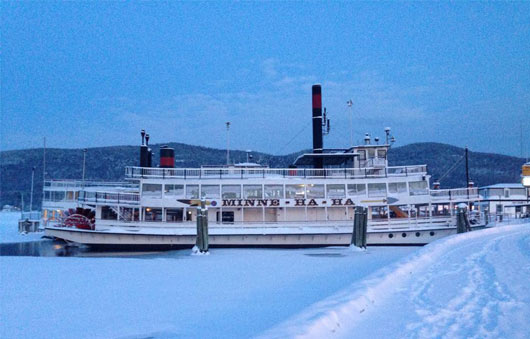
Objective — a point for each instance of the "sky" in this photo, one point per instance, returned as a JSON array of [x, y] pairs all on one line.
[[87, 74]]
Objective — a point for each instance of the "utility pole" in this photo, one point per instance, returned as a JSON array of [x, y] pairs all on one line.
[[31, 196], [228, 143]]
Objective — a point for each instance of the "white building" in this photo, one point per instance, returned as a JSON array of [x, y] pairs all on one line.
[[511, 199]]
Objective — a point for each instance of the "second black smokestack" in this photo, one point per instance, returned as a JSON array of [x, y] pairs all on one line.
[[317, 124], [143, 151]]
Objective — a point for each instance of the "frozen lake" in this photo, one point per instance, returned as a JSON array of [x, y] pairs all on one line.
[[230, 293]]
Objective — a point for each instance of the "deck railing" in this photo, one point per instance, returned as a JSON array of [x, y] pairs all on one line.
[[455, 194], [79, 184], [249, 173], [109, 197]]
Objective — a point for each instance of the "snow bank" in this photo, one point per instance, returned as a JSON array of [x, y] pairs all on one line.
[[467, 285], [9, 229], [231, 293]]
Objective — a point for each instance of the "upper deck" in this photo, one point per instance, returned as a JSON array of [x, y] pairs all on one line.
[[132, 172]]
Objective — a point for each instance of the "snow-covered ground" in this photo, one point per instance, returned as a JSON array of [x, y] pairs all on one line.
[[474, 285], [9, 229], [470, 285], [231, 293]]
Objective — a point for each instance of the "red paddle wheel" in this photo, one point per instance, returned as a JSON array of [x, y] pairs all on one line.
[[82, 218]]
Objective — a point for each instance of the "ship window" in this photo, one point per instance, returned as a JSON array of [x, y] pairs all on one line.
[[152, 214], [108, 213], [57, 195], [381, 153], [397, 187], [335, 191], [231, 191], [210, 191], [315, 191], [377, 190], [397, 212], [506, 193], [128, 214], [192, 191], [371, 153], [69, 195], [356, 189], [228, 217], [498, 208], [174, 214], [252, 192], [174, 190], [441, 210], [518, 191], [294, 191], [422, 210], [273, 191], [47, 195], [379, 212], [362, 154], [418, 188], [152, 190], [496, 191]]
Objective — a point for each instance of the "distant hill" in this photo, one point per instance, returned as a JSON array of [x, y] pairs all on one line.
[[108, 163]]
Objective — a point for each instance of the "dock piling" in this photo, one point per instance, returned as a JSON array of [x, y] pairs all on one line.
[[462, 221], [360, 223], [202, 242]]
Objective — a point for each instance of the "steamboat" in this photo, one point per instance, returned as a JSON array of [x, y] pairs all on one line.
[[311, 203]]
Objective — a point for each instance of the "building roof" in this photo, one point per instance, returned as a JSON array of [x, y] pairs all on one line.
[[506, 185]]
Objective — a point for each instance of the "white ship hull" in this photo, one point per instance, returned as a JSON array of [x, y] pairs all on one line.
[[225, 236]]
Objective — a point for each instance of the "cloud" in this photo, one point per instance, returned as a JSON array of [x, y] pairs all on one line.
[[269, 68], [267, 117]]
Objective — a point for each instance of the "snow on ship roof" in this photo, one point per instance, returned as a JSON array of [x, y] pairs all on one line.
[[507, 185]]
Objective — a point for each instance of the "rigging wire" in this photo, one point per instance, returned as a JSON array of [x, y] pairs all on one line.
[[450, 169], [296, 136]]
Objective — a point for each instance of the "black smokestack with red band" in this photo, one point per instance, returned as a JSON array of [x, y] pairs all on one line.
[[317, 124], [167, 157]]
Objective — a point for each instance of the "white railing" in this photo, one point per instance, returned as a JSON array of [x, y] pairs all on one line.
[[65, 183], [247, 173], [455, 194], [109, 197], [33, 215]]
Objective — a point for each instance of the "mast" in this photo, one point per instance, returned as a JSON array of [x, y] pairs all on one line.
[[228, 143], [350, 105], [31, 196], [467, 168], [44, 162]]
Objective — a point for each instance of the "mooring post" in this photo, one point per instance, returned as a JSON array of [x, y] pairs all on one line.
[[204, 226], [462, 223], [355, 234], [199, 239], [352, 242], [359, 227], [364, 226]]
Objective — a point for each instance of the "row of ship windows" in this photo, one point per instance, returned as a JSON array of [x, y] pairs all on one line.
[[276, 214], [298, 191]]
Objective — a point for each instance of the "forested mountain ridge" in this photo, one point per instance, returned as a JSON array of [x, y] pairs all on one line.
[[108, 163]]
